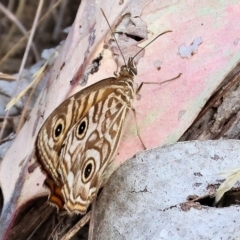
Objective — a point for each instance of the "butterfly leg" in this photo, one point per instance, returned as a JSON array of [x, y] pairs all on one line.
[[134, 111], [169, 80], [139, 136]]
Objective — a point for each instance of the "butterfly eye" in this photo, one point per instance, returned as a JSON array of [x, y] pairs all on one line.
[[58, 128], [82, 127], [88, 170]]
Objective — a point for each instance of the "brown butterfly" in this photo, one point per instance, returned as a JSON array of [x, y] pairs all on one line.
[[78, 141]]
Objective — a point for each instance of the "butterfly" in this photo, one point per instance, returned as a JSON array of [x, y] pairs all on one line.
[[79, 140]]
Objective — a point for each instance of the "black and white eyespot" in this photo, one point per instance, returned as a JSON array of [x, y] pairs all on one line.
[[88, 170], [82, 128], [58, 129]]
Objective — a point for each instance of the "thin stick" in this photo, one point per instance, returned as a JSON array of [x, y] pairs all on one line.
[[61, 14], [24, 112], [77, 227], [40, 5], [14, 48], [20, 27], [91, 224]]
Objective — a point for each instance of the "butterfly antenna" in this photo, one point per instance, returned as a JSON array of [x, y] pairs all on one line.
[[113, 36], [152, 41]]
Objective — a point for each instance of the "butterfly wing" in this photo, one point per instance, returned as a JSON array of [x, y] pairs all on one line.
[[58, 135]]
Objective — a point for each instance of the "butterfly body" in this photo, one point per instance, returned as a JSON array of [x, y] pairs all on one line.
[[79, 139]]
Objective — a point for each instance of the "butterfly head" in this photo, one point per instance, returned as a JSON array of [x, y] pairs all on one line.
[[129, 69]]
